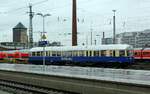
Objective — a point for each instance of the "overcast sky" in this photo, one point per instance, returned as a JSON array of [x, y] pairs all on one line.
[[95, 15]]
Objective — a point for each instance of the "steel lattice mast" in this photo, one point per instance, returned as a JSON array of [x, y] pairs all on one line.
[[30, 27]]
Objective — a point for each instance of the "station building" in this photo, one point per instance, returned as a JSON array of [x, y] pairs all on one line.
[[138, 39]]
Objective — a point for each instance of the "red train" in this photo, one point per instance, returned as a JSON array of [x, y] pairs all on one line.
[[14, 56], [3, 55], [142, 54]]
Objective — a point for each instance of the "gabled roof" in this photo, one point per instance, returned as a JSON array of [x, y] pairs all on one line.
[[19, 25]]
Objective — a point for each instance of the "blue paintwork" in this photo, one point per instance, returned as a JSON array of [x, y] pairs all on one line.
[[80, 59], [103, 59]]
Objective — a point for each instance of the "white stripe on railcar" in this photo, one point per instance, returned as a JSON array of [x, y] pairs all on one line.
[[79, 48]]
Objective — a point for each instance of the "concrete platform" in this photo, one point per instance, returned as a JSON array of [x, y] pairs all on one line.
[[117, 75], [76, 85], [52, 77]]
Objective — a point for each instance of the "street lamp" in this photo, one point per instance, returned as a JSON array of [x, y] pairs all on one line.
[[43, 16], [98, 38], [114, 27], [43, 37]]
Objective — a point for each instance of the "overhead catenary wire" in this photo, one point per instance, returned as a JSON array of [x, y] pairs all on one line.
[[130, 22]]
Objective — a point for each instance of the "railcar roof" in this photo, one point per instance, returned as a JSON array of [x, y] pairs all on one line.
[[141, 48], [73, 48], [12, 51]]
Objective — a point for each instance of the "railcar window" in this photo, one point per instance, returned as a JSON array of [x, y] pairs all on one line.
[[42, 53], [135, 53], [96, 53], [58, 53], [121, 53], [111, 53], [53, 53], [75, 53], [81, 53], [12, 57], [86, 53], [38, 53], [114, 53], [46, 53], [33, 53], [90, 53], [68, 53], [129, 53], [71, 53], [146, 53], [99, 53], [103, 53], [49, 54], [63, 53], [138, 53]]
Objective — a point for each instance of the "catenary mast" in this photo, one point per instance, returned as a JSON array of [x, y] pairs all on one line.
[[30, 27]]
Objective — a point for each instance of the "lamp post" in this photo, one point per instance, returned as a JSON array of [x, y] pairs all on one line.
[[98, 41], [86, 35], [43, 16], [114, 27], [95, 41], [43, 37]]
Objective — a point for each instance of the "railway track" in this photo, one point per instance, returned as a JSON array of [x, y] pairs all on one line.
[[20, 88], [136, 66], [140, 66]]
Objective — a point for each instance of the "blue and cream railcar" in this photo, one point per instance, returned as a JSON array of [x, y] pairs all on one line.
[[118, 53]]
